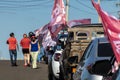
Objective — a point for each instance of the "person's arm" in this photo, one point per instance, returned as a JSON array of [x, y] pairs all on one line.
[[17, 47], [21, 43], [30, 48], [7, 42], [38, 47]]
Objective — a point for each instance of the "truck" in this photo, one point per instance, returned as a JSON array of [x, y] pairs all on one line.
[[79, 37]]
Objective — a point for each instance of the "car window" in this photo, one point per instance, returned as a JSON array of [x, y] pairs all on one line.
[[82, 35], [88, 49], [71, 35], [105, 50]]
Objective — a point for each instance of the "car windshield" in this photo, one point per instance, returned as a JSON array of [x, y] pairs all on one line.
[[105, 50]]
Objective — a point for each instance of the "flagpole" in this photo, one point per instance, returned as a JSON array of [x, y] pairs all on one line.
[[67, 9], [99, 20]]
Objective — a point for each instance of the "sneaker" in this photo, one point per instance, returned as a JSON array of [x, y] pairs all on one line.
[[36, 68], [25, 65], [12, 65], [28, 65], [15, 64]]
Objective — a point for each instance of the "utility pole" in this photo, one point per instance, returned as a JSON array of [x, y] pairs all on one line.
[[99, 20], [67, 9], [118, 5]]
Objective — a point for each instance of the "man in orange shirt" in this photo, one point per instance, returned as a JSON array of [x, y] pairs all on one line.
[[12, 42], [25, 43]]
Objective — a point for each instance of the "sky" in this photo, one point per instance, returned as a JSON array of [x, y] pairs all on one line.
[[23, 16]]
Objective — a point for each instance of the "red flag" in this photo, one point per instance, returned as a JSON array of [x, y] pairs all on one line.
[[47, 40], [77, 22], [111, 27], [58, 18], [41, 30], [44, 35]]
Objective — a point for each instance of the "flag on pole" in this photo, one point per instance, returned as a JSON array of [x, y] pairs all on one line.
[[41, 30], [47, 40], [58, 21], [78, 22], [44, 35], [111, 27], [58, 18]]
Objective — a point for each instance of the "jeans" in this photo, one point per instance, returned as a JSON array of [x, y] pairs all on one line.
[[49, 57], [13, 56], [41, 54]]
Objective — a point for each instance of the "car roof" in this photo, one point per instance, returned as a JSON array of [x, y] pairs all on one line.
[[102, 39], [88, 25]]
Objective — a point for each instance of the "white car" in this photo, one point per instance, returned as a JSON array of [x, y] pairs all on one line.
[[98, 54], [54, 65]]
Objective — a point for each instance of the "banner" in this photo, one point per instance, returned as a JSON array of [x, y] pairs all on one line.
[[111, 27], [58, 18], [78, 22]]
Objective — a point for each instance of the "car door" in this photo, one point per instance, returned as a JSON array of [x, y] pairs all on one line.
[[86, 54]]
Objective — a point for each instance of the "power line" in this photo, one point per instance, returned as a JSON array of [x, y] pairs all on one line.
[[93, 8], [6, 4], [81, 10], [85, 5], [20, 1]]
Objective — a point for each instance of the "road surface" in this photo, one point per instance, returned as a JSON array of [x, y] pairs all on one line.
[[7, 72]]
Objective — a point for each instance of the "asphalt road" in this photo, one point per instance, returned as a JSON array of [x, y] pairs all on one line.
[[7, 72]]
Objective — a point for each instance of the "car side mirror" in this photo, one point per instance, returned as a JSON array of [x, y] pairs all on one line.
[[73, 59], [101, 67]]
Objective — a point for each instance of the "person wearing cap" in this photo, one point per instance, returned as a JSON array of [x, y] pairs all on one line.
[[25, 43], [34, 50], [12, 42]]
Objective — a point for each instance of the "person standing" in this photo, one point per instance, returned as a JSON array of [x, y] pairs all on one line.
[[12, 42], [25, 43], [41, 54], [34, 50], [50, 52]]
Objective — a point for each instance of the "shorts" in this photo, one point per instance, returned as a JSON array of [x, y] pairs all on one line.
[[25, 51]]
